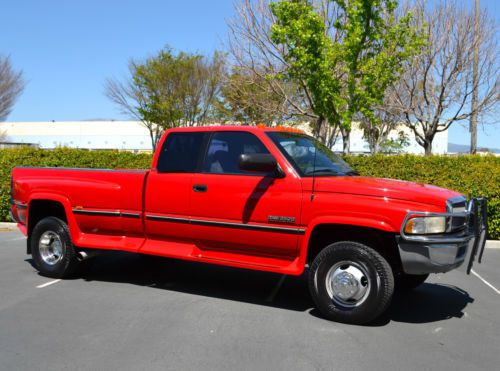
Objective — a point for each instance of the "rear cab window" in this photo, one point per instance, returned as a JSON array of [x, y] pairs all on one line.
[[181, 152]]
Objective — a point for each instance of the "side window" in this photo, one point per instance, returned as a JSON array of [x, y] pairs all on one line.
[[225, 148], [180, 153]]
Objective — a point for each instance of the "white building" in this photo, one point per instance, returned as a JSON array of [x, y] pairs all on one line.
[[126, 135], [132, 135]]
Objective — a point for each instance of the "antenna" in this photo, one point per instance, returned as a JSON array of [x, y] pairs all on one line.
[[314, 171]]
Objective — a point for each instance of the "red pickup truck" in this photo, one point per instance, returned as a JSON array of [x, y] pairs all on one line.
[[264, 199]]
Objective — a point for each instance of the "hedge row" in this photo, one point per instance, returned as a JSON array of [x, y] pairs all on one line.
[[470, 175]]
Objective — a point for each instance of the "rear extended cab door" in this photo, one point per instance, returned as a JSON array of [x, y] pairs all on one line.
[[168, 191]]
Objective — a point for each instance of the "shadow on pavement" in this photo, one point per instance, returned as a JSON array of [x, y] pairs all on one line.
[[201, 279], [428, 303]]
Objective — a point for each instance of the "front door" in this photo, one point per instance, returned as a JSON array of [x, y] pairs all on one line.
[[243, 212]]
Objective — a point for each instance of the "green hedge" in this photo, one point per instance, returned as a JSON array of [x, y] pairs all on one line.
[[470, 175]]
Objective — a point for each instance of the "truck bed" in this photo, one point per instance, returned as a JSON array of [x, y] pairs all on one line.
[[92, 196]]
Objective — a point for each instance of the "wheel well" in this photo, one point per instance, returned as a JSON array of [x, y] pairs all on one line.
[[381, 241], [39, 209]]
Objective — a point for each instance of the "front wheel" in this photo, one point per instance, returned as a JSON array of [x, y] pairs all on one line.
[[351, 282], [53, 253]]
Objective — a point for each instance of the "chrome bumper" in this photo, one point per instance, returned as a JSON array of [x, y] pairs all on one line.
[[442, 253]]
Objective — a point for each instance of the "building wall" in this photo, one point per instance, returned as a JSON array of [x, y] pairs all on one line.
[[359, 144], [128, 135], [132, 135]]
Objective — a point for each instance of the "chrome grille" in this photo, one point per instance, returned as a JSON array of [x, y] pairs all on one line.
[[457, 205]]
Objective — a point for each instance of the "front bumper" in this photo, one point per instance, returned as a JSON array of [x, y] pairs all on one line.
[[442, 253]]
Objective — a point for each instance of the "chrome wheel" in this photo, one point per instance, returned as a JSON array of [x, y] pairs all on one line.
[[50, 247], [348, 283]]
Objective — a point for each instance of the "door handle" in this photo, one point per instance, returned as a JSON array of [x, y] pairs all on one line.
[[200, 188]]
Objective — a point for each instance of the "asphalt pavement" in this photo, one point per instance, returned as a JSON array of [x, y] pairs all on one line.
[[127, 312]]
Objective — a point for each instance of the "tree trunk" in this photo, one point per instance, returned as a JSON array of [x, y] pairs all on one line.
[[318, 131], [153, 141], [428, 146], [346, 140]]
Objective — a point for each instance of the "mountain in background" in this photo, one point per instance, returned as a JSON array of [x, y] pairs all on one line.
[[464, 148]]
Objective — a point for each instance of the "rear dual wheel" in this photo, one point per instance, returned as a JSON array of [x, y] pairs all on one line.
[[351, 283], [52, 250]]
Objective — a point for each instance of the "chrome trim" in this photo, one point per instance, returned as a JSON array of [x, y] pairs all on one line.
[[348, 284], [455, 200], [106, 213], [51, 248], [226, 224], [160, 218], [19, 205], [95, 212]]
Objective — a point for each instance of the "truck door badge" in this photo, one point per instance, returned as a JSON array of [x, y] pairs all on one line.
[[280, 219]]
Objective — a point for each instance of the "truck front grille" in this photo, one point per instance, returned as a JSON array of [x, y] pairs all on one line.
[[458, 207]]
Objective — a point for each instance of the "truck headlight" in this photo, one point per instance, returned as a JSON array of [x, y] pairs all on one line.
[[426, 225]]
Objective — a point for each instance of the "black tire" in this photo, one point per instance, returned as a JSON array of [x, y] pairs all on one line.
[[407, 282], [375, 282], [47, 234]]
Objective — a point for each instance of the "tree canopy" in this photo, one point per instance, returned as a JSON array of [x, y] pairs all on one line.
[[350, 73], [169, 90]]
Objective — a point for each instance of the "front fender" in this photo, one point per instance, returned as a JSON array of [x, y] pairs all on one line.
[[380, 223]]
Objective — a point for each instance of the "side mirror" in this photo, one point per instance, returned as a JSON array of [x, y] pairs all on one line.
[[259, 163]]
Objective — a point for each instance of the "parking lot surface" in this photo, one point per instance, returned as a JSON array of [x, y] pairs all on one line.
[[130, 312]]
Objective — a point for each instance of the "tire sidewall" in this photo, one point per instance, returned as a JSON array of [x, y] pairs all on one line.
[[65, 265]]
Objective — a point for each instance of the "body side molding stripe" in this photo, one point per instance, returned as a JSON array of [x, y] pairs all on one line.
[[106, 213], [130, 215], [192, 221], [226, 224]]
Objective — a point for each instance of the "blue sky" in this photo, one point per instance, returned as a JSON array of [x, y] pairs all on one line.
[[67, 49]]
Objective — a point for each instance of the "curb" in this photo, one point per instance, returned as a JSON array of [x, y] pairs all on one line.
[[8, 226], [493, 244], [490, 244]]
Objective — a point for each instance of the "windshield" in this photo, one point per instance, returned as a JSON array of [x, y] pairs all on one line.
[[308, 156]]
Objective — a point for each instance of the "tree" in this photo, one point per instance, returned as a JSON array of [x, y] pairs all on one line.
[[378, 126], [436, 89], [11, 87], [348, 74], [247, 99], [169, 90], [260, 60]]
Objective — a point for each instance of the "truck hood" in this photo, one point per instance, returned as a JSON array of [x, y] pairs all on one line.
[[390, 188]]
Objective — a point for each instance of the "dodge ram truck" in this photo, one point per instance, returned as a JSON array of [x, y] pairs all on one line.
[[265, 199]]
